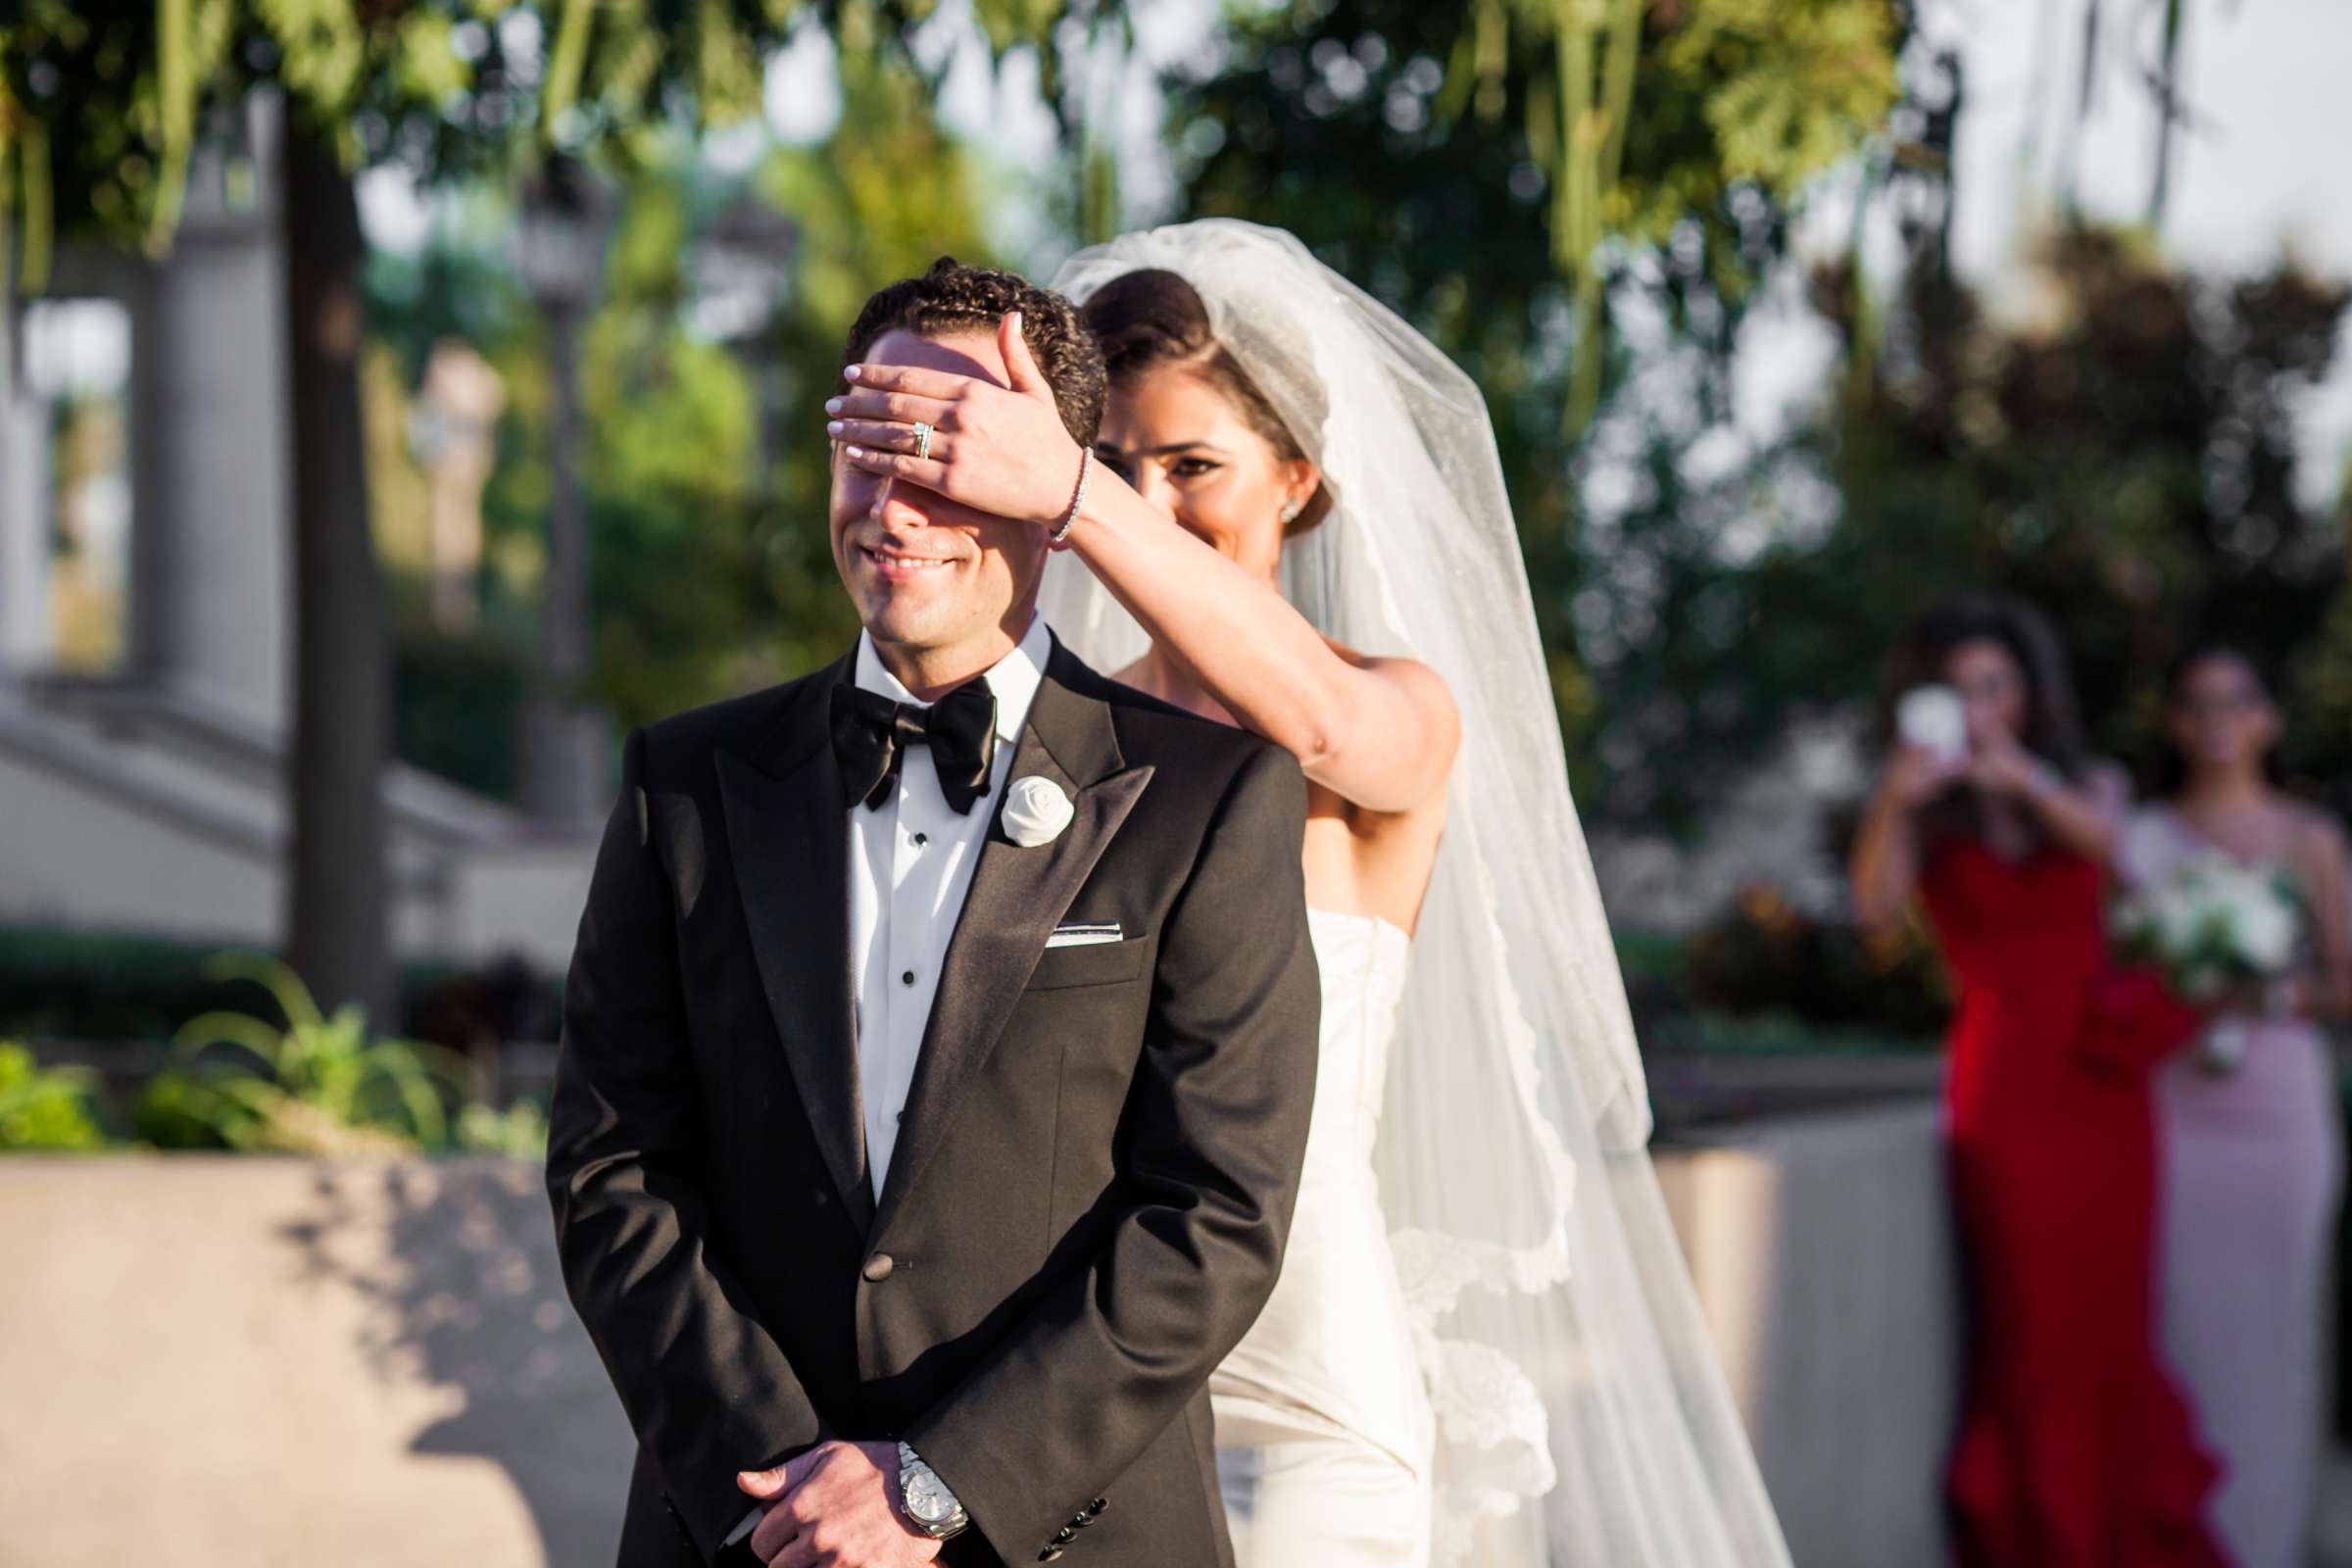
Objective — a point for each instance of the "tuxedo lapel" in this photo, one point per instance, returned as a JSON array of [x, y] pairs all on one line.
[[789, 833], [1017, 896]]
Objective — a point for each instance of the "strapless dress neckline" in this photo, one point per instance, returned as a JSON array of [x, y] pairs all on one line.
[[1378, 922]]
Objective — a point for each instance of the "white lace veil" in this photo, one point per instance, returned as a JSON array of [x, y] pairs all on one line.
[[1562, 1343]]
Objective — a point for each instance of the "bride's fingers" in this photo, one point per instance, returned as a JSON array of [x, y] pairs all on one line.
[[900, 408], [945, 385], [930, 473], [886, 437]]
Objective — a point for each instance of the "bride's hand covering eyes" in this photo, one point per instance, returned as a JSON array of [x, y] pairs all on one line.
[[1001, 449]]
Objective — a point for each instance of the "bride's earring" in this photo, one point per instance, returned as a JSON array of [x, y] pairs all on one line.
[[1290, 513]]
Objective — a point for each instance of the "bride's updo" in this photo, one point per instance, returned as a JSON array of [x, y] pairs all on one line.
[[1151, 319]]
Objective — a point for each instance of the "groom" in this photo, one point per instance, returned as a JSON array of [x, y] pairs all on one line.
[[937, 1058]]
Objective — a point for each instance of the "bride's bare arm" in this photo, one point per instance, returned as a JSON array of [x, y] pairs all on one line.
[[1380, 733]]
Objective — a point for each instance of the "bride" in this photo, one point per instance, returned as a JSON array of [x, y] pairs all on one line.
[[1484, 1347]]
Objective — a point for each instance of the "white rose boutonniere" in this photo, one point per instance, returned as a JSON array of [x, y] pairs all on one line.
[[1036, 811]]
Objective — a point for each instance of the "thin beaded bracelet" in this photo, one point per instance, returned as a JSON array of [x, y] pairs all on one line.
[[1086, 468]]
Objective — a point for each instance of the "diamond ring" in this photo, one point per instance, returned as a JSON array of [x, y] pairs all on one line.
[[922, 440]]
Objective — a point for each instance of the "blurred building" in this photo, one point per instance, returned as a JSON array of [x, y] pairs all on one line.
[[145, 618]]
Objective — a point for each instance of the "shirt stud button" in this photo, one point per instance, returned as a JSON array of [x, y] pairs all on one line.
[[908, 978], [922, 839]]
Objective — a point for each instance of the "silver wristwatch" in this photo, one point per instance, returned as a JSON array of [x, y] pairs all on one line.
[[930, 1506]]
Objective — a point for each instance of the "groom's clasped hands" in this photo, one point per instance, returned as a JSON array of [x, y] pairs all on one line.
[[1001, 450], [835, 1507]]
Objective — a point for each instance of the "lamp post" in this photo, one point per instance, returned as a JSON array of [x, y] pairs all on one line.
[[560, 236], [740, 265]]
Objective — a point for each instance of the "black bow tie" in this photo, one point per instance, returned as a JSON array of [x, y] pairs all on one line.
[[871, 734]]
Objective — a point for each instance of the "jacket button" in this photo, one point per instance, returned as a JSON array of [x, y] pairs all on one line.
[[877, 1267], [1064, 1535]]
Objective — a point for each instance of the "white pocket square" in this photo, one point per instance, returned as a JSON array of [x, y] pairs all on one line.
[[1084, 934]]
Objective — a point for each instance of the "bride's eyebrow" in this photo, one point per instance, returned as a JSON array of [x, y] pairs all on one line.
[[1170, 451]]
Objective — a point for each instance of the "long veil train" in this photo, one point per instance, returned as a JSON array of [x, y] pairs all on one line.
[[1583, 1420]]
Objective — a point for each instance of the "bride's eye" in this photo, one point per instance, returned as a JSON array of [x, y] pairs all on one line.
[[1193, 467]]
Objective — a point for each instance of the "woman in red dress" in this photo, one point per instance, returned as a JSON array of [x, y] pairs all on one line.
[[2075, 1450]]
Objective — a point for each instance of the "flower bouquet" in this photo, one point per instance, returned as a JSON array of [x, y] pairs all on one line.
[[2214, 929]]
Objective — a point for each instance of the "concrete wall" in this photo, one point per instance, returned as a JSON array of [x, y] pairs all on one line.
[[257, 1362], [251, 1363], [1826, 1267]]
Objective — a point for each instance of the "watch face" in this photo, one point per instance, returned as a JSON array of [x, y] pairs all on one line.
[[926, 1501]]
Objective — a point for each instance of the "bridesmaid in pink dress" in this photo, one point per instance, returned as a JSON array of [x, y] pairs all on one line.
[[2252, 1156]]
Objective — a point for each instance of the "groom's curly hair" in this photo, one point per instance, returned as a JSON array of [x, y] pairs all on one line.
[[954, 298]]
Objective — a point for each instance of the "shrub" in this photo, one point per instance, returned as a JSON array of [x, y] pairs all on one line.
[[322, 1086], [44, 1107]]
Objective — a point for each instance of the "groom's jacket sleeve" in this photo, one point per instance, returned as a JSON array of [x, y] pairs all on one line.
[[706, 1389], [1217, 1116]]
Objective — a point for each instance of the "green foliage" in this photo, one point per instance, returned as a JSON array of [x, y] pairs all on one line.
[[1760, 957], [45, 1108], [1784, 90], [314, 1084], [101, 101], [101, 986], [105, 985], [459, 695], [519, 1132], [1378, 129], [1761, 979]]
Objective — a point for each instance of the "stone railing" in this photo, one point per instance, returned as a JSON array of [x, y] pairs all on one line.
[[1823, 1251], [255, 1362]]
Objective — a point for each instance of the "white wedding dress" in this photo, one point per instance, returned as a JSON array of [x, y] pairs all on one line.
[[1324, 1431], [1501, 1255]]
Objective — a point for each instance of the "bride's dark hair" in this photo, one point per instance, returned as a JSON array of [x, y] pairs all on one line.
[[1151, 319]]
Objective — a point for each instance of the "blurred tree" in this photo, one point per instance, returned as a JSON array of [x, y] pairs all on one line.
[[2121, 451], [1497, 169], [101, 105], [2118, 446]]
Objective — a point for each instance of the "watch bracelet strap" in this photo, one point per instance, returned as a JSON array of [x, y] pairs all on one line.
[[910, 1460]]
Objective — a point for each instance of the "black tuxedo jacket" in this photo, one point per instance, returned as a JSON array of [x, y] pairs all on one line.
[[1093, 1181]]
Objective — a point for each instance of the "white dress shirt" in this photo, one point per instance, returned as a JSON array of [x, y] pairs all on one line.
[[910, 866]]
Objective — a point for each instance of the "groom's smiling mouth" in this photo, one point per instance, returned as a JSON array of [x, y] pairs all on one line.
[[891, 561]]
